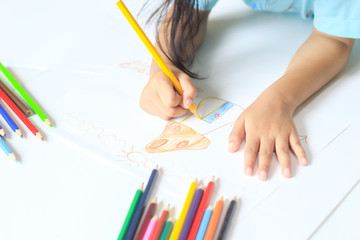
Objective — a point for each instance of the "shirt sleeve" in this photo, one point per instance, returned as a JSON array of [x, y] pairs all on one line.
[[203, 5], [339, 18]]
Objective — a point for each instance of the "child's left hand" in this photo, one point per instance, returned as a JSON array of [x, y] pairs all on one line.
[[267, 126]]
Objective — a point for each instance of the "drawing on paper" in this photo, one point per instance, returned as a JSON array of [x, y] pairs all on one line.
[[139, 66], [177, 136], [123, 151]]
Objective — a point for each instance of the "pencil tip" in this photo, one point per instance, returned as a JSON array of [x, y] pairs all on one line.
[[4, 136], [12, 156], [213, 179], [155, 200], [47, 122], [221, 198], [235, 198], [21, 136]]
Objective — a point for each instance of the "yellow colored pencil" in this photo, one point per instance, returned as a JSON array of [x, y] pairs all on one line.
[[184, 212], [158, 59]]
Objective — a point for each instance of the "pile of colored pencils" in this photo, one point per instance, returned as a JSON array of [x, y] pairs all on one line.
[[19, 108], [197, 219]]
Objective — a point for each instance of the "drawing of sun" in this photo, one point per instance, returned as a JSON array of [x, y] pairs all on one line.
[[135, 158]]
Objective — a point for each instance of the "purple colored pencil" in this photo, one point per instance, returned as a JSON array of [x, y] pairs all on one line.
[[191, 215]]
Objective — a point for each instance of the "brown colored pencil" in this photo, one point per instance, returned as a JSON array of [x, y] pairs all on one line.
[[148, 215], [27, 111]]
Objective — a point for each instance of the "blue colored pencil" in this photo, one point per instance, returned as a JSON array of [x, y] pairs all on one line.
[[10, 122], [6, 149], [204, 224], [191, 215], [2, 132], [141, 205]]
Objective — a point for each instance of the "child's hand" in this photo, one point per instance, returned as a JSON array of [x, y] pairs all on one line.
[[160, 98], [267, 126]]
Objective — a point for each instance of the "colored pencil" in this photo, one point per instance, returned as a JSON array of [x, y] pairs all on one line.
[[190, 217], [6, 149], [161, 223], [204, 224], [2, 132], [210, 232], [202, 207], [158, 59], [167, 230], [20, 115], [184, 212], [16, 100], [150, 228], [145, 222], [228, 216], [141, 206], [25, 95], [10, 122], [131, 211]]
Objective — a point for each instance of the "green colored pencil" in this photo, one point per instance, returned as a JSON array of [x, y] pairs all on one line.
[[26, 96], [167, 230], [131, 211]]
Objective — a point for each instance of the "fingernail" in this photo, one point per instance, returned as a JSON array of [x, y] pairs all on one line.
[[249, 171], [188, 103], [286, 172], [263, 175], [303, 161], [231, 147]]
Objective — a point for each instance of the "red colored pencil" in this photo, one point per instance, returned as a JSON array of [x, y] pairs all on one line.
[[148, 215], [202, 207], [161, 223], [20, 115]]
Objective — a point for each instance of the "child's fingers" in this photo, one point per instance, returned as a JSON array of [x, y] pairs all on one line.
[[237, 135], [251, 151], [167, 94], [298, 149], [189, 91], [265, 156], [149, 107], [171, 112], [283, 155]]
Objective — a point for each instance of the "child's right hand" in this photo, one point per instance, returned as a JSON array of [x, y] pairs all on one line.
[[159, 97]]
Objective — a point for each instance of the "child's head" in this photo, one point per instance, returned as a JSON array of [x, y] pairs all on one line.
[[181, 22]]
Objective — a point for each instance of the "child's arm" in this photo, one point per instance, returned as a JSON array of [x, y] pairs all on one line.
[[267, 124], [159, 97]]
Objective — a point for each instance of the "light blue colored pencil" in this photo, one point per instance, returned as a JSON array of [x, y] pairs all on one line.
[[204, 224], [10, 122], [7, 150]]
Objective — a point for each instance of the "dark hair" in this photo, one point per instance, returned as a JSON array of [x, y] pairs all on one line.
[[184, 23]]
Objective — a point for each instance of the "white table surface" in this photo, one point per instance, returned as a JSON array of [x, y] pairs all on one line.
[[66, 190]]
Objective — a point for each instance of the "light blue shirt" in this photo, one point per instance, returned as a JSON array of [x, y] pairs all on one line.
[[339, 18]]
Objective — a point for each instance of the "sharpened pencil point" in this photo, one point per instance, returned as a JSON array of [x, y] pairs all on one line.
[[47, 122], [4, 136], [12, 156]]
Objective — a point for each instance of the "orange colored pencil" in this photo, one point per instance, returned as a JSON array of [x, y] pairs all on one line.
[[161, 223], [210, 232], [20, 115]]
